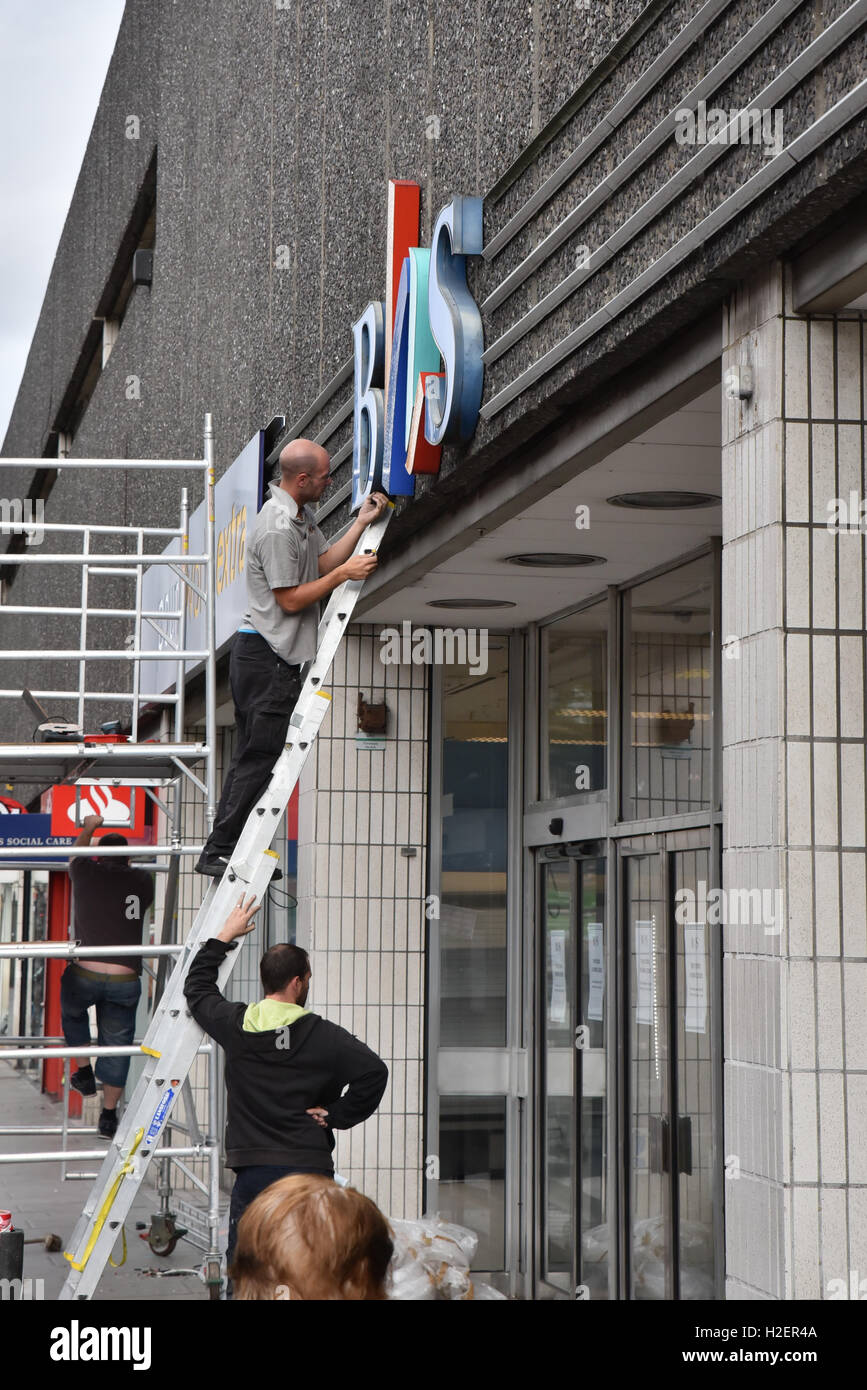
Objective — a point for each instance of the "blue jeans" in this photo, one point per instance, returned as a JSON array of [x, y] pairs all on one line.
[[249, 1182], [116, 1002]]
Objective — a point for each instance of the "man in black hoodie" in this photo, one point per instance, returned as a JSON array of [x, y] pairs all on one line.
[[286, 1068]]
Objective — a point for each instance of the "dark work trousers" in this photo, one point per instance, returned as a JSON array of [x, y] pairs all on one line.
[[264, 689], [249, 1182]]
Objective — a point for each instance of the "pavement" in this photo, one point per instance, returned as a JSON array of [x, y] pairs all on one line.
[[41, 1203]]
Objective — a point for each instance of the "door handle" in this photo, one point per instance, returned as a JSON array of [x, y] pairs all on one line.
[[660, 1144], [684, 1144]]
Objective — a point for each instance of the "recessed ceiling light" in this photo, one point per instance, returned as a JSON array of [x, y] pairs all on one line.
[[471, 603], [554, 559], [664, 501]]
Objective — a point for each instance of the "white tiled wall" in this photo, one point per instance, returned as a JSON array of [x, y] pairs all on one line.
[[794, 797], [361, 904]]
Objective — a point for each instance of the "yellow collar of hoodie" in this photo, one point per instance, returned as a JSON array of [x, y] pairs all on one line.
[[269, 1014]]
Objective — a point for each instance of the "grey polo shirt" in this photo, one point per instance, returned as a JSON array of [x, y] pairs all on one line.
[[284, 551]]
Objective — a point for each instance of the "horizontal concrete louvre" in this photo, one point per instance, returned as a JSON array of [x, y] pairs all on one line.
[[295, 430], [636, 157], [601, 132], [803, 66]]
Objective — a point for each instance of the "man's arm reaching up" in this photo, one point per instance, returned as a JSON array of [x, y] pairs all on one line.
[[210, 1009], [89, 826]]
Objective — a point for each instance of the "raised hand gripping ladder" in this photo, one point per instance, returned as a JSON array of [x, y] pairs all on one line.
[[173, 1039]]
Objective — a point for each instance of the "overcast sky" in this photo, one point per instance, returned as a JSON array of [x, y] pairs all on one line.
[[54, 55]]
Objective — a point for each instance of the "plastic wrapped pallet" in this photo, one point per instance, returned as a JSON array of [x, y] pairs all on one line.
[[432, 1260]]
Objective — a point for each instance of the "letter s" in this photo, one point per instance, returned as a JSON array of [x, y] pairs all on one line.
[[455, 322]]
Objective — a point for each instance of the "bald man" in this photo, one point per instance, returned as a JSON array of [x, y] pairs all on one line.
[[290, 567]]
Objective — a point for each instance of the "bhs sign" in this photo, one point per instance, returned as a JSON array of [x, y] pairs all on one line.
[[418, 356]]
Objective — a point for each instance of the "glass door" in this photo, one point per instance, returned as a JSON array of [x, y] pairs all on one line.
[[695, 1192], [573, 1123], [670, 1022], [649, 1081]]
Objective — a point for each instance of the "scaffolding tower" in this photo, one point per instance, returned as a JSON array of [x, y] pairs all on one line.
[[157, 767]]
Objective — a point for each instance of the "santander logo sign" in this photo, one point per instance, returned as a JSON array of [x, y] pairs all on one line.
[[120, 808], [98, 801], [418, 356]]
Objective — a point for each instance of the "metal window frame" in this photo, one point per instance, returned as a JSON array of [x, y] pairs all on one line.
[[433, 968], [541, 863]]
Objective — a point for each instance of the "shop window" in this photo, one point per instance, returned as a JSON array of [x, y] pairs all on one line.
[[668, 740], [472, 911], [574, 703]]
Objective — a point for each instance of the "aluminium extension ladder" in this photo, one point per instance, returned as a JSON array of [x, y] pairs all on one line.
[[173, 1039]]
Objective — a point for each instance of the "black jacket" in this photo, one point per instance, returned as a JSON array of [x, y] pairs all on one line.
[[271, 1086]]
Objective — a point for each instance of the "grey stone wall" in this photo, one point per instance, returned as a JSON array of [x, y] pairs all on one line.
[[279, 125]]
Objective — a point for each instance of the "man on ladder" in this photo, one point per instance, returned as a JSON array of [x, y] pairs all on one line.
[[289, 568]]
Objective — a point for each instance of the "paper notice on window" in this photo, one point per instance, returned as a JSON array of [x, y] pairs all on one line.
[[595, 971], [695, 980], [557, 1005], [645, 972]]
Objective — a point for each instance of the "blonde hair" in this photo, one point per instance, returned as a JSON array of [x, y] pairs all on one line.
[[306, 1238]]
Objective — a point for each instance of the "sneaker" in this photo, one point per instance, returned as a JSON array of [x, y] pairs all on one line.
[[107, 1127], [83, 1082]]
